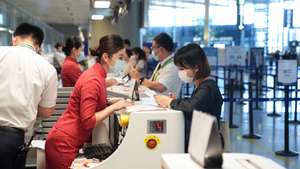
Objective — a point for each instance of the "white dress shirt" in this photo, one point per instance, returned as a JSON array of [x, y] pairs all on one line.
[[167, 74], [26, 81]]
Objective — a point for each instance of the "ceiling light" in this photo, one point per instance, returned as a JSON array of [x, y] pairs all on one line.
[[97, 17], [3, 29], [101, 4]]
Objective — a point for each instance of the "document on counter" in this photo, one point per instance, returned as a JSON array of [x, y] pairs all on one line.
[[150, 93]]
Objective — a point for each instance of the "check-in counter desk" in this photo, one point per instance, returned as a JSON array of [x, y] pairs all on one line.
[[230, 161]]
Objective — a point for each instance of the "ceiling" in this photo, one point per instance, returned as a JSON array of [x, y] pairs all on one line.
[[57, 11]]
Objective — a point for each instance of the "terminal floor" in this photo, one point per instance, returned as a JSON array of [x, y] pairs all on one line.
[[271, 129]]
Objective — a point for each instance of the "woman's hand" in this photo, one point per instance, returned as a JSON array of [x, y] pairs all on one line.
[[122, 104], [163, 101], [135, 74], [113, 100], [111, 82]]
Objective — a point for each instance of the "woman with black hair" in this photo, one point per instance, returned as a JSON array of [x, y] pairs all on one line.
[[194, 68], [71, 69], [141, 61], [87, 107]]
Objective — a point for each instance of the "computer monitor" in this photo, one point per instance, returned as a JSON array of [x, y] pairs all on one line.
[[134, 91]]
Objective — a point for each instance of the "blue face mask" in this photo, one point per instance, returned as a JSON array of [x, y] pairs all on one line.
[[81, 57]]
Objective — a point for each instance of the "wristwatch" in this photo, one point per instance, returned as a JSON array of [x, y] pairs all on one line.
[[142, 80]]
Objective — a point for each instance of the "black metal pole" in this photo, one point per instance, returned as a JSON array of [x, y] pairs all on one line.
[[295, 121], [224, 80], [241, 87], [229, 78], [274, 114], [231, 125], [217, 74], [251, 134], [286, 152], [242, 78], [256, 89], [236, 86]]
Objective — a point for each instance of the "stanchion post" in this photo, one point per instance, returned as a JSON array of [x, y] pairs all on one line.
[[295, 121], [241, 87], [251, 134], [256, 88], [229, 78], [274, 114], [236, 76], [242, 78], [286, 152], [231, 125], [224, 79], [217, 73]]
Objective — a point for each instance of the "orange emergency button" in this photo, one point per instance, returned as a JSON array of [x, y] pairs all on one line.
[[151, 142]]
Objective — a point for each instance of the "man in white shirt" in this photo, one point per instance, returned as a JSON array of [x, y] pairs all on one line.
[[164, 78], [27, 90]]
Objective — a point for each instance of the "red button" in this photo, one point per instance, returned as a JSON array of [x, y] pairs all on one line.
[[151, 143]]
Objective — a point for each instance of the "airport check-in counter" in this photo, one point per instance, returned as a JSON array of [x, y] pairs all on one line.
[[151, 132], [149, 137], [231, 161]]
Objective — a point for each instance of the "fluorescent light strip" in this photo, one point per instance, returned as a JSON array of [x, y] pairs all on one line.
[[101, 4], [97, 17], [2, 29]]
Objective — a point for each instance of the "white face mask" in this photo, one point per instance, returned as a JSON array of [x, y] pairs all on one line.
[[154, 56], [184, 77], [118, 67]]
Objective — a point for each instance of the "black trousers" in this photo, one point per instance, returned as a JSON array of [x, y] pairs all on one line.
[[11, 156]]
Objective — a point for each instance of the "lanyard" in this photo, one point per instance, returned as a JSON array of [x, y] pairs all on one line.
[[27, 46], [160, 66]]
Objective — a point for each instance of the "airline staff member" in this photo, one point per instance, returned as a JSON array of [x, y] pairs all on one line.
[[165, 78], [71, 69], [27, 87], [87, 107]]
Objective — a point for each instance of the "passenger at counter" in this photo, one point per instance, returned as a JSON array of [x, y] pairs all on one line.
[[71, 69], [87, 107], [165, 76], [141, 62], [129, 64], [151, 62], [28, 89], [194, 68]]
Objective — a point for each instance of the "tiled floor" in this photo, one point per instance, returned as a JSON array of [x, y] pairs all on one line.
[[271, 129]]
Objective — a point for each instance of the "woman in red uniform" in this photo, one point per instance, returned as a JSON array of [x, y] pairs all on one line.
[[71, 69], [87, 107]]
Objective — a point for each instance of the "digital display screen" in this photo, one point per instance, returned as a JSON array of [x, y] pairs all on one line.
[[157, 126]]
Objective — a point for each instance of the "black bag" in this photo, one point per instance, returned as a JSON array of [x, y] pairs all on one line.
[[99, 151], [22, 154]]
